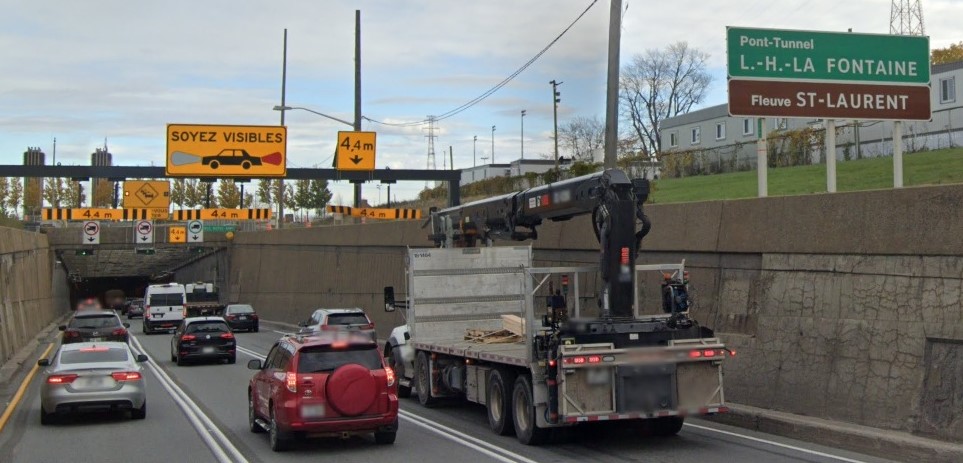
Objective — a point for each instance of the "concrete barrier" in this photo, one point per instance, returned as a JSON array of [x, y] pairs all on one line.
[[33, 289]]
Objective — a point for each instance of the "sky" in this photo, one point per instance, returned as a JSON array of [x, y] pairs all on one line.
[[120, 71]]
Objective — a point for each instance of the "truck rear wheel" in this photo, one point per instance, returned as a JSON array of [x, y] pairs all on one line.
[[499, 401], [423, 378], [526, 423]]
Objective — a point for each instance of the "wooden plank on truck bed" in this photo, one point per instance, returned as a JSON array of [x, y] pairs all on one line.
[[490, 336], [514, 323]]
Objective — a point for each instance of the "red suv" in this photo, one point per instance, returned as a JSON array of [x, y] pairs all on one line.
[[330, 384]]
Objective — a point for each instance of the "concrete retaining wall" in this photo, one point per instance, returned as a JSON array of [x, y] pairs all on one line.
[[844, 306], [33, 289]]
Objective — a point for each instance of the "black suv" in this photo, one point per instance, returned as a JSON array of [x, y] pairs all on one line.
[[95, 326], [203, 338]]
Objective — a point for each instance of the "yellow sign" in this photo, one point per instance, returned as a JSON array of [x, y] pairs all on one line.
[[177, 234], [222, 214], [104, 214], [150, 194], [226, 150], [356, 151], [373, 213]]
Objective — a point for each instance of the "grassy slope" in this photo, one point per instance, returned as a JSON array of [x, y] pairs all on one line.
[[928, 168]]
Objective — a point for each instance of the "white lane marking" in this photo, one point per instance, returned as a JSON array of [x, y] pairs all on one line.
[[453, 438], [460, 437], [212, 436], [442, 430], [777, 444]]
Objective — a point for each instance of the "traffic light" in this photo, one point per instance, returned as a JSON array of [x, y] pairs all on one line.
[[146, 251], [85, 252]]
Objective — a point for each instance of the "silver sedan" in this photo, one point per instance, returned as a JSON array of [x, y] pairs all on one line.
[[93, 375]]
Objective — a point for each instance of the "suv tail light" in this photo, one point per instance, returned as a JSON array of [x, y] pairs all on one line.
[[329, 327], [254, 316], [188, 337], [119, 332], [61, 379], [292, 382], [227, 336], [229, 317], [391, 376], [71, 334], [369, 326], [125, 376]]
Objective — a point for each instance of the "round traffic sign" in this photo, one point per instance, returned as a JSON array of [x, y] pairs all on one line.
[[144, 227], [195, 226], [91, 228]]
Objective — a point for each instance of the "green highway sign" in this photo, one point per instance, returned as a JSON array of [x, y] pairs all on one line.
[[827, 56], [219, 228]]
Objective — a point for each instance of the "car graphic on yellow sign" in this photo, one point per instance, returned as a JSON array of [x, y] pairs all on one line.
[[226, 151]]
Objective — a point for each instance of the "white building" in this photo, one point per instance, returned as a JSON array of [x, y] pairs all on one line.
[[516, 168], [712, 130]]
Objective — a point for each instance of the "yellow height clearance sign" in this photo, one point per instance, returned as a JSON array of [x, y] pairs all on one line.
[[356, 151], [226, 150], [177, 234]]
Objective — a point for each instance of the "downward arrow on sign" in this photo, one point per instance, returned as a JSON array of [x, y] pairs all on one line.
[[143, 238], [356, 159], [90, 239], [195, 237]]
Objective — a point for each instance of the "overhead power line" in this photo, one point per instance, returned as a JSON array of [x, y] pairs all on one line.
[[497, 87]]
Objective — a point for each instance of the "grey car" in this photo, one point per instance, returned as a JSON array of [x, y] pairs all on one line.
[[350, 320], [92, 376]]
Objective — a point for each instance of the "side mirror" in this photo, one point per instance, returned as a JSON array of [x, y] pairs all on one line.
[[389, 298], [254, 364], [43, 362], [141, 358], [62, 327], [126, 325]]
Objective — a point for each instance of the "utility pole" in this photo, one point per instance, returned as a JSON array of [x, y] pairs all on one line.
[[284, 80], [523, 134], [612, 94], [555, 101], [357, 91], [474, 152], [493, 144]]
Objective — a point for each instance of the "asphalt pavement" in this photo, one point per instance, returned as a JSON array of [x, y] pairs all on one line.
[[199, 413]]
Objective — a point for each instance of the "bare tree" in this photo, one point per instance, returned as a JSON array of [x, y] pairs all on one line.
[[581, 136], [660, 84]]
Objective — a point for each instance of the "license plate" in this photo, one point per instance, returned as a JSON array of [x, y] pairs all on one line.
[[243, 317], [96, 339], [94, 382], [207, 350], [312, 411]]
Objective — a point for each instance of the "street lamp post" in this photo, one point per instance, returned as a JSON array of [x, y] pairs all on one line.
[[493, 144], [523, 134]]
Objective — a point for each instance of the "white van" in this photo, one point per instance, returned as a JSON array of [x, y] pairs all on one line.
[[164, 307]]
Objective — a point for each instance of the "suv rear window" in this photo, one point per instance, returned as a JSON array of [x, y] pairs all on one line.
[[347, 319], [323, 358], [165, 299], [97, 321], [207, 327], [93, 355]]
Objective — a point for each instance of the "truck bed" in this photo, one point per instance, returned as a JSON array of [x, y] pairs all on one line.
[[507, 353]]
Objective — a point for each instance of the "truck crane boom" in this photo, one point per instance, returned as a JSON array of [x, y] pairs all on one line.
[[614, 200]]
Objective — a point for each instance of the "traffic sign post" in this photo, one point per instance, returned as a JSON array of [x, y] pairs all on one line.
[[356, 150], [226, 150], [195, 231], [144, 232], [91, 233]]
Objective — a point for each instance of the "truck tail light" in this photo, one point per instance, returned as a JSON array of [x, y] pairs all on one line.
[[292, 382], [625, 257], [61, 379]]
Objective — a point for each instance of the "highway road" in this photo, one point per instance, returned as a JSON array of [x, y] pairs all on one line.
[[198, 413]]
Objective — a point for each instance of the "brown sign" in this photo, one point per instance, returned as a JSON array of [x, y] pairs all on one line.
[[829, 100]]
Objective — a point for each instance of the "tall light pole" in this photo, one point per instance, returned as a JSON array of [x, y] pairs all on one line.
[[493, 144], [474, 152], [523, 134], [555, 101]]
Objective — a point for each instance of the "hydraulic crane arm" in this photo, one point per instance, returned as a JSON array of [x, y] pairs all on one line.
[[614, 201]]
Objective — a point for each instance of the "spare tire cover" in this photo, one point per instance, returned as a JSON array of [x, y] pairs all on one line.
[[351, 389]]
